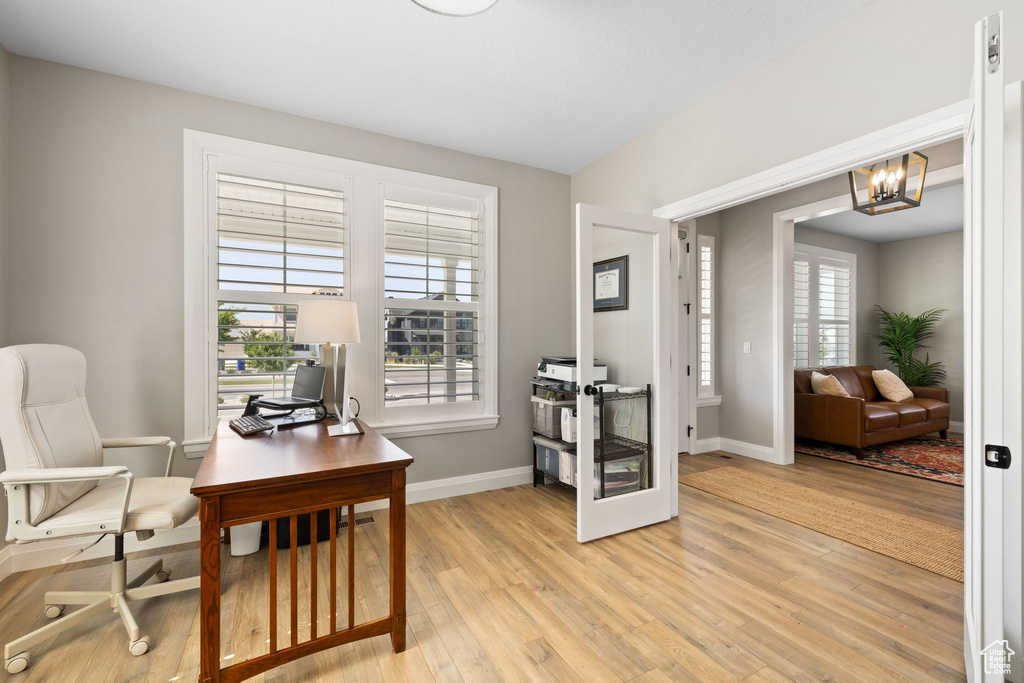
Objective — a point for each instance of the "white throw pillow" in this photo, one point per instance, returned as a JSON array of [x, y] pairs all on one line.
[[828, 385], [891, 387]]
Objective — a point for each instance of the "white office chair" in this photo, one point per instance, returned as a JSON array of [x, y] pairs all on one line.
[[57, 487]]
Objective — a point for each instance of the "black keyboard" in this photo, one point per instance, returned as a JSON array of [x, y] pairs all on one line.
[[250, 424]]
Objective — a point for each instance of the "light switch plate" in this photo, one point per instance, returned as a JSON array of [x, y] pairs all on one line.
[[746, 347]]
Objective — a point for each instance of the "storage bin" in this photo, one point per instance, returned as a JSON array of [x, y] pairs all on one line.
[[547, 416], [546, 454], [621, 476]]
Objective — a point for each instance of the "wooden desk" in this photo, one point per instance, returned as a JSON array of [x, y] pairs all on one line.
[[283, 474]]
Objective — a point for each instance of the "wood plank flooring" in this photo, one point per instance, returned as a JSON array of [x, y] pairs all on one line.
[[499, 589]]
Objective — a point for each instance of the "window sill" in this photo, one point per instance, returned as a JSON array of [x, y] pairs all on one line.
[[428, 428], [196, 448], [709, 401]]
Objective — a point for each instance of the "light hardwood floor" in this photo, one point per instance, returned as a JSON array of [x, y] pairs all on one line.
[[499, 589]]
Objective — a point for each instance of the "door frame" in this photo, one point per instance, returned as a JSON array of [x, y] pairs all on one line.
[[783, 225], [933, 128]]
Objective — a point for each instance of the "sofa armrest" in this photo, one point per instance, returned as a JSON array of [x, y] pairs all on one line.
[[937, 393], [845, 421], [810, 416]]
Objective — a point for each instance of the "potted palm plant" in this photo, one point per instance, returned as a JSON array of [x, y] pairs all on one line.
[[900, 336]]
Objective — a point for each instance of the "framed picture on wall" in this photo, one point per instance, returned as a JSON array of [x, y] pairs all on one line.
[[611, 284]]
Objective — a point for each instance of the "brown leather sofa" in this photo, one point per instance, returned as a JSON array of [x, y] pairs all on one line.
[[866, 418]]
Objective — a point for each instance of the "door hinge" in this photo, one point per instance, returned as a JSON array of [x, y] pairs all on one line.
[[687, 309], [687, 370], [689, 430], [687, 247], [997, 456], [992, 43]]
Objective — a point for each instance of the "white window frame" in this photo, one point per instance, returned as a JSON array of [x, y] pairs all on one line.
[[815, 254], [364, 186]]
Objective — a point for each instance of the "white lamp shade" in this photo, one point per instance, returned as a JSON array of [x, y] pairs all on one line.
[[327, 320]]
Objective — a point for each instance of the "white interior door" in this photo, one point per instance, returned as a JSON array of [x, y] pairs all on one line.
[[633, 333], [992, 348]]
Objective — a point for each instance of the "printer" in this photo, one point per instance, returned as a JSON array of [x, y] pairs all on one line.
[[563, 369]]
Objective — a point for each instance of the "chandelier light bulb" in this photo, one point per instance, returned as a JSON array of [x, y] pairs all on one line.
[[892, 178], [899, 173]]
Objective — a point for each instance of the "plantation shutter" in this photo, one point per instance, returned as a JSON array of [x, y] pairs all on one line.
[[276, 243], [706, 274], [823, 314], [432, 280]]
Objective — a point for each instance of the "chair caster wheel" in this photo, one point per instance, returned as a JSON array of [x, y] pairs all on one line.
[[54, 611], [17, 663], [139, 647], [163, 575]]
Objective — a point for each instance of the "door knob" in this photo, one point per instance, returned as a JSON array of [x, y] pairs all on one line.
[[590, 390]]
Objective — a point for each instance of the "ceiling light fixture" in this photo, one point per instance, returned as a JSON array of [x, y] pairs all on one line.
[[456, 8], [884, 190]]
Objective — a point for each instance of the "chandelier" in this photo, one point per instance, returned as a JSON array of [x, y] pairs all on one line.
[[877, 190]]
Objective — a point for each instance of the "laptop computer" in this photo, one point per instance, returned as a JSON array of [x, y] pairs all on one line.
[[307, 389]]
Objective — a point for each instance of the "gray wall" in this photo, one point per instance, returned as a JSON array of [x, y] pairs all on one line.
[[745, 300], [4, 146], [96, 230], [867, 284], [928, 272], [810, 98]]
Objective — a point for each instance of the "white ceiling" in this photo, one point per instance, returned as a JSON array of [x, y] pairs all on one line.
[[941, 211], [550, 83]]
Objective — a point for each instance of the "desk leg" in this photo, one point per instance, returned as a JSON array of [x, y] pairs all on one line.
[[209, 588], [397, 517]]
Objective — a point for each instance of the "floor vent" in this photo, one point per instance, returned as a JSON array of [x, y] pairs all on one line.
[[360, 521], [723, 457]]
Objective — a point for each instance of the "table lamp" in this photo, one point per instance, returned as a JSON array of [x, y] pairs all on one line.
[[332, 323]]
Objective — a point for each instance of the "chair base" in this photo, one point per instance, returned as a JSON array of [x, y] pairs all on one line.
[[122, 592]]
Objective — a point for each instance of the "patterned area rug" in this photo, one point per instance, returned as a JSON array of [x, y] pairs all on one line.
[[924, 544], [938, 459]]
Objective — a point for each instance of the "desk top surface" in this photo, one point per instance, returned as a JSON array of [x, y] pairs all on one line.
[[291, 456]]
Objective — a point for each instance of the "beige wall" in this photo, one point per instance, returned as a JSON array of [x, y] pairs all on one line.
[[867, 284], [928, 272], [4, 146], [96, 227], [816, 95]]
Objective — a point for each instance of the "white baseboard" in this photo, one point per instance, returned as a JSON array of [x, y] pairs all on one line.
[[708, 445], [957, 427], [748, 450], [423, 491], [22, 557]]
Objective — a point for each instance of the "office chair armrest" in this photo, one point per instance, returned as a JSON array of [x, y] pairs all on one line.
[[139, 441], [17, 484], [56, 475]]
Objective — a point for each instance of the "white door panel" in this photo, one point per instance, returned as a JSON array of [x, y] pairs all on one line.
[[638, 345]]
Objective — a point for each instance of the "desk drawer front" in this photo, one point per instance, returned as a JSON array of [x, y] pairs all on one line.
[[318, 495]]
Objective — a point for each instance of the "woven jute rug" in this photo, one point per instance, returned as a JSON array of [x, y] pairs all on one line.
[[931, 546]]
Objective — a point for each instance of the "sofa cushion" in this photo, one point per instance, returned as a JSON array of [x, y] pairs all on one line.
[[908, 413], [891, 386], [827, 385], [857, 380], [802, 381], [936, 409], [877, 416]]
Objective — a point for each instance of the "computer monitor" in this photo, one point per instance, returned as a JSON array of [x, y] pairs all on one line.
[[309, 382]]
